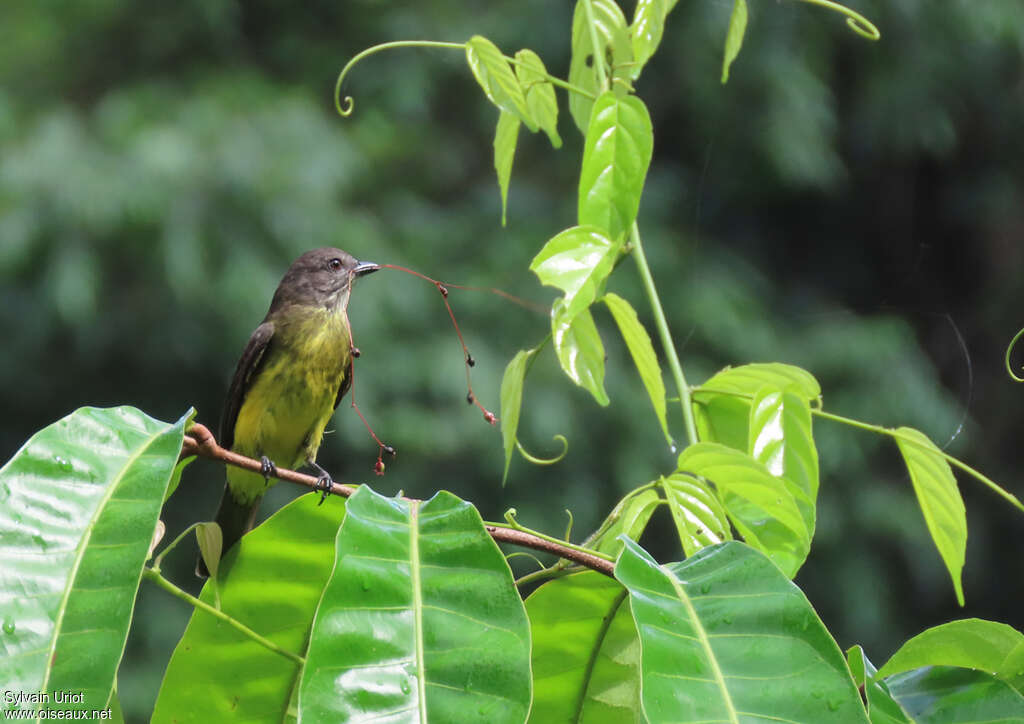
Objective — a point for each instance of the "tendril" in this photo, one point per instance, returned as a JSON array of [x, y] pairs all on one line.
[[1009, 349], [545, 461], [857, 22]]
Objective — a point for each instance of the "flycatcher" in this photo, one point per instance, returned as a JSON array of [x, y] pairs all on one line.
[[293, 373]]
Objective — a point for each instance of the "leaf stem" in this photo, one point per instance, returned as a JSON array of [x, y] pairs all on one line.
[[159, 580], [663, 332]]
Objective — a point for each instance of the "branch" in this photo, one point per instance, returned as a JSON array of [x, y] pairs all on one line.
[[200, 441]]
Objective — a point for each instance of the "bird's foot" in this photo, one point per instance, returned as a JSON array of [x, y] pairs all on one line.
[[324, 481], [267, 468]]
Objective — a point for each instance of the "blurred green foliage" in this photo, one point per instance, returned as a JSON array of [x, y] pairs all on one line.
[[853, 208]]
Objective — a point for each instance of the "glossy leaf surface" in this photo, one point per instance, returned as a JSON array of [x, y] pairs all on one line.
[[579, 349]]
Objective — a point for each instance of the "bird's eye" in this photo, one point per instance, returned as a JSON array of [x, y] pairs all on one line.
[[334, 264]]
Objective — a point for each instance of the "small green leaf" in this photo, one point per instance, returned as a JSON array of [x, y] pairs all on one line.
[[577, 261], [420, 617], [540, 94], [882, 708], [971, 643], [586, 655], [616, 156], [579, 349], [734, 39], [630, 516], [615, 53], [511, 403], [780, 439], [505, 137], [725, 637], [939, 498], [763, 507], [498, 80], [646, 31], [644, 357], [944, 694], [210, 538], [699, 517]]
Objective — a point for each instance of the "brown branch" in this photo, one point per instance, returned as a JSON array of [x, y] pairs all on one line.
[[200, 441]]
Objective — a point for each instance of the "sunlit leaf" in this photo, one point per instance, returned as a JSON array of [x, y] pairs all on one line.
[[615, 52], [505, 137], [734, 38], [644, 357], [762, 506], [699, 517], [579, 350], [646, 31], [616, 155], [540, 94], [725, 637], [577, 261], [511, 402], [630, 516], [939, 498], [497, 79]]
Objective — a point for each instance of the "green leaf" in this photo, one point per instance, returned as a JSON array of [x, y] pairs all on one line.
[[722, 404], [646, 31], [971, 643], [511, 402], [271, 582], [579, 349], [577, 261], [944, 695], [762, 506], [630, 516], [505, 137], [726, 637], [939, 499], [616, 156], [78, 506], [615, 53], [586, 655], [540, 94], [780, 439], [699, 517], [498, 80], [420, 621], [644, 357], [882, 708], [734, 39]]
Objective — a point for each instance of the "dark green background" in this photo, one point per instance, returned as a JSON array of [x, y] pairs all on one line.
[[851, 207]]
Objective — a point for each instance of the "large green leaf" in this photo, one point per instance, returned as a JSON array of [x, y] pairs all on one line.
[[78, 506], [577, 261], [614, 51], [511, 402], [722, 404], [616, 156], [939, 499], [781, 439], [725, 637], [505, 136], [762, 506], [629, 516], [579, 349], [271, 582], [420, 620], [699, 517], [586, 655], [971, 643], [646, 31], [950, 695], [498, 80], [882, 708], [540, 94], [734, 38], [642, 351]]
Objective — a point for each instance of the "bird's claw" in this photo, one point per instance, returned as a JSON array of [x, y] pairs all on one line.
[[267, 468], [324, 481]]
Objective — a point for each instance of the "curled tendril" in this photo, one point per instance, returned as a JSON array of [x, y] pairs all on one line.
[[857, 22], [1009, 349], [535, 559], [545, 461], [510, 518], [568, 528]]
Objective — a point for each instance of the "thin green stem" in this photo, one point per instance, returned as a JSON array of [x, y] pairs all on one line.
[[560, 569], [170, 546], [513, 524], [1009, 349], [159, 580], [857, 22], [663, 331]]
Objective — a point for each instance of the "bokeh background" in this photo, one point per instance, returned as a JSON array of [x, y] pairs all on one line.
[[855, 208]]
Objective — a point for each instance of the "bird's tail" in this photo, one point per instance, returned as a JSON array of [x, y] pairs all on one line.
[[235, 520]]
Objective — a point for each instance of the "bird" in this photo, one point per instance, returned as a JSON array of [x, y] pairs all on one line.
[[289, 380]]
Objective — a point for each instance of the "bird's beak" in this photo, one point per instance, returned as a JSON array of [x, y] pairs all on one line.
[[366, 267]]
